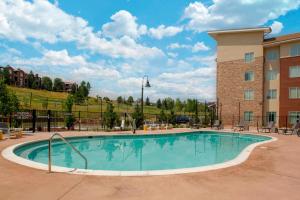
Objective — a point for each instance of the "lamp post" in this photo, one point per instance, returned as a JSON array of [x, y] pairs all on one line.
[[142, 99]]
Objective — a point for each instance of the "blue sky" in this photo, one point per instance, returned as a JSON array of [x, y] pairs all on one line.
[[113, 44]]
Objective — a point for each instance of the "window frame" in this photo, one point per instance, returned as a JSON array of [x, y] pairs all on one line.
[[248, 91], [297, 50], [272, 74], [269, 116], [297, 93], [251, 57], [245, 75], [297, 73], [270, 94], [290, 118], [249, 117], [274, 55]]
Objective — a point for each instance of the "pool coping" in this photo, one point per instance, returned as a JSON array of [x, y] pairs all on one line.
[[8, 154]]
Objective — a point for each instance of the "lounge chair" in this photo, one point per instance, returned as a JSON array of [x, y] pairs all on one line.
[[217, 125], [241, 126], [4, 128], [267, 128], [290, 131]]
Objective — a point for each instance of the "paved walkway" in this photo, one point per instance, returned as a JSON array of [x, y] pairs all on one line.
[[271, 172]]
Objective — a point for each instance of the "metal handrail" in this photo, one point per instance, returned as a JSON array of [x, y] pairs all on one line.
[[68, 143]]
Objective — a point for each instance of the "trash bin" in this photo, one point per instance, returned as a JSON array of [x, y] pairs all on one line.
[[145, 127]]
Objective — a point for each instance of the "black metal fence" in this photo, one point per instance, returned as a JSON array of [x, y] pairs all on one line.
[[50, 121]]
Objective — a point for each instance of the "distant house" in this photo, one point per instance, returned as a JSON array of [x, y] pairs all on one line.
[[20, 78], [68, 85]]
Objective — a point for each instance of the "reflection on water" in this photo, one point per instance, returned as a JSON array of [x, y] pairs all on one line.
[[146, 152]]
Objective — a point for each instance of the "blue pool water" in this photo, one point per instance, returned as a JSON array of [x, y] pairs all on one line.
[[142, 152]]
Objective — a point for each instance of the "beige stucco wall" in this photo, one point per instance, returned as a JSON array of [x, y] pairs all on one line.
[[285, 49], [271, 105], [233, 46]]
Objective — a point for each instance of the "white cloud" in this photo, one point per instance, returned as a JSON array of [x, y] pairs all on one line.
[[77, 66], [232, 13], [42, 21], [276, 27], [199, 46], [164, 31], [123, 23]]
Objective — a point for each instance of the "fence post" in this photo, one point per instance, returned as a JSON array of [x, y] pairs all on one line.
[[286, 122], [49, 121], [79, 120], [33, 120], [10, 120]]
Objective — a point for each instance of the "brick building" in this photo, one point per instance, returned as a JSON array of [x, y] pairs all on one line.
[[258, 77]]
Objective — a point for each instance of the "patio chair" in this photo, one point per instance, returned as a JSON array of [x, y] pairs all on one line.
[[241, 126], [4, 128], [293, 130], [268, 128], [217, 125], [290, 131]]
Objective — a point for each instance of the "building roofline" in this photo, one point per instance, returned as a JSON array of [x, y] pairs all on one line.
[[281, 39], [263, 29]]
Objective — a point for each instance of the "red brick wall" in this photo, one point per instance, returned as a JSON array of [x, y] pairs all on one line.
[[231, 86], [286, 104]]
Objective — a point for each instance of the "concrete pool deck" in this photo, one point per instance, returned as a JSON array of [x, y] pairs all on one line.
[[271, 172]]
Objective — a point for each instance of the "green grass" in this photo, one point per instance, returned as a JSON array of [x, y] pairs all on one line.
[[46, 100]]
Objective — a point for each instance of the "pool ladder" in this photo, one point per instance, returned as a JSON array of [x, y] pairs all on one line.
[[69, 144]]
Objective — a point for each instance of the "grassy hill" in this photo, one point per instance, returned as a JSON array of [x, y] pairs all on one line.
[[47, 100]]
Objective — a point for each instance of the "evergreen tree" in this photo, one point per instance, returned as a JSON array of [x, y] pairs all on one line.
[[130, 100], [30, 79], [147, 103], [138, 116], [158, 104], [70, 119], [110, 117]]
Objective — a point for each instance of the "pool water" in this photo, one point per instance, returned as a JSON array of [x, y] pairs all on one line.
[[142, 152]]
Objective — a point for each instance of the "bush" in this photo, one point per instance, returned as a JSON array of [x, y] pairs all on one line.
[[138, 116], [110, 117]]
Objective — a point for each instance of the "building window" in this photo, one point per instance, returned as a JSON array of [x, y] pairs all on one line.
[[249, 94], [271, 117], [248, 116], [295, 50], [272, 55], [249, 76], [294, 93], [272, 75], [249, 57], [272, 94], [294, 71], [294, 116]]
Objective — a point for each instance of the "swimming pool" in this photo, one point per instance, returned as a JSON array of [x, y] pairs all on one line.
[[144, 154]]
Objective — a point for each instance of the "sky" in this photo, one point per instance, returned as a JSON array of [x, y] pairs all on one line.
[[114, 43]]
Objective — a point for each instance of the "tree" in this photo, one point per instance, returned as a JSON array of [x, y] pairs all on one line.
[[30, 79], [130, 100], [6, 76], [70, 119], [147, 103], [178, 105], [74, 89], [9, 102], [168, 103], [162, 116], [106, 99], [138, 116], [47, 83], [120, 99], [110, 117], [58, 85], [158, 104]]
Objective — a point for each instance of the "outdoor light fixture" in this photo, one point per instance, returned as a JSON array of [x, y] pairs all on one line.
[[147, 86]]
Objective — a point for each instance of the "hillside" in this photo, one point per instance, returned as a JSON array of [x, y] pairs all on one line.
[[47, 100]]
